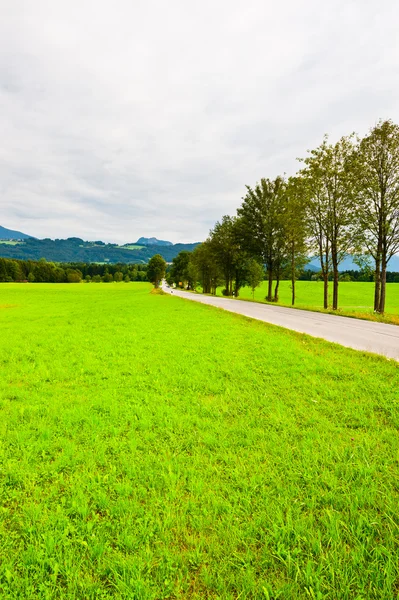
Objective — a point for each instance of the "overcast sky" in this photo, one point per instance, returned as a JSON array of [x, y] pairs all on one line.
[[127, 118]]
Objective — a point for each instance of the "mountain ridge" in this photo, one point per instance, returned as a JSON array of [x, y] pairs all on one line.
[[75, 249], [347, 264], [152, 241], [11, 234]]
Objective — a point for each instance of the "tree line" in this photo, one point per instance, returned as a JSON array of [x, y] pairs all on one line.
[[344, 200], [43, 271]]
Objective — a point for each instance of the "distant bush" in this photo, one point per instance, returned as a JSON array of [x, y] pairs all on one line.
[[74, 276]]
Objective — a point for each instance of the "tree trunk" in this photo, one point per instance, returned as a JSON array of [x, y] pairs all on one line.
[[381, 306], [325, 279], [377, 284], [334, 261], [378, 265], [236, 288], [205, 281], [325, 264], [275, 299], [293, 278], [269, 296], [335, 289], [227, 286], [335, 281]]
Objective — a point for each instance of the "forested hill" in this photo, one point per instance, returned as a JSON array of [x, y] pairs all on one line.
[[76, 250], [11, 234]]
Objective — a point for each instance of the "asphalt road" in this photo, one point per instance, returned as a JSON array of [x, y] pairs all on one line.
[[353, 333]]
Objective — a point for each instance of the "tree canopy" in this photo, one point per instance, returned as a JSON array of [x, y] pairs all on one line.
[[156, 270]]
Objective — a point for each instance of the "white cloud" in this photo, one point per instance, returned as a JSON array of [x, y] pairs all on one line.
[[120, 119]]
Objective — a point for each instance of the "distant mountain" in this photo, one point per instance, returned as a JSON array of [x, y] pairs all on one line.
[[10, 234], [312, 267], [143, 241], [348, 265], [77, 250]]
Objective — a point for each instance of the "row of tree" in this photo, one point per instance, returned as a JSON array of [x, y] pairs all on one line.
[[42, 271], [215, 263], [344, 200]]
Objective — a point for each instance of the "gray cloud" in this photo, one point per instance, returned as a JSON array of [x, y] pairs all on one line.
[[120, 119]]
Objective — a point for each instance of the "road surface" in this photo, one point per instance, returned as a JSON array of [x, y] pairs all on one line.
[[353, 333]]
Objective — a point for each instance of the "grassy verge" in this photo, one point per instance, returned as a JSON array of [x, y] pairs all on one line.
[[156, 448]]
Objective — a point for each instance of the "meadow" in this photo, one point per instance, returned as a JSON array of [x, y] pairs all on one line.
[[355, 298], [152, 447]]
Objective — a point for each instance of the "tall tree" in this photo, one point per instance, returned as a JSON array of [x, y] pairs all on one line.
[[261, 212], [377, 177], [295, 229], [331, 207], [179, 271], [206, 265], [156, 270], [229, 251], [225, 248]]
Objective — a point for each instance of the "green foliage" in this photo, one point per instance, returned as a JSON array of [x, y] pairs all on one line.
[[332, 206], [376, 176], [262, 212], [296, 230], [255, 275], [107, 277], [156, 270], [47, 272], [239, 461], [74, 276], [345, 200], [179, 272], [207, 267], [225, 241]]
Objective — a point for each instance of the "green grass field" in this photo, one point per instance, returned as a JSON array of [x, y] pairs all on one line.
[[154, 448], [131, 247], [355, 298]]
